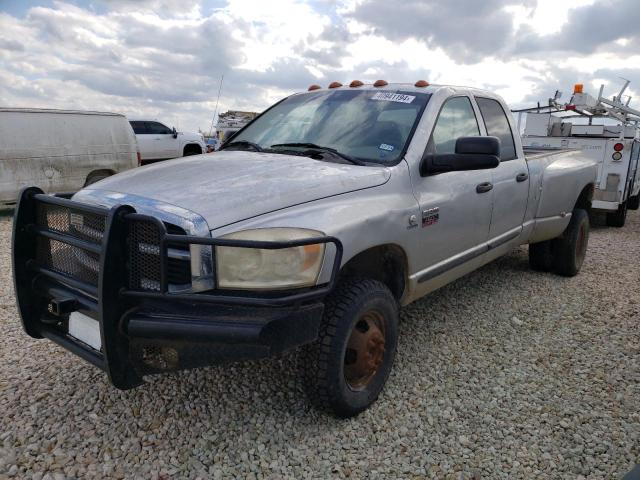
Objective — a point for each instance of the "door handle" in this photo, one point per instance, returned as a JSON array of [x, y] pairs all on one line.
[[521, 177], [484, 187]]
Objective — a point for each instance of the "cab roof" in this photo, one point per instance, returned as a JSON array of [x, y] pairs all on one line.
[[407, 87]]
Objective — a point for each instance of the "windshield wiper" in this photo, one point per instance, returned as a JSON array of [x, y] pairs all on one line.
[[313, 146], [243, 143]]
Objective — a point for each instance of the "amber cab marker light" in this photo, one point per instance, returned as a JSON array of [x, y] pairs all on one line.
[[356, 83], [422, 83], [314, 87], [381, 83], [578, 88], [335, 85]]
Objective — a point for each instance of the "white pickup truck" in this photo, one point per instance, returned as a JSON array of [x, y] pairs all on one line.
[[308, 229], [158, 142]]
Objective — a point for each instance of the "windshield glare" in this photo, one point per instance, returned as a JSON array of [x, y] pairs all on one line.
[[368, 125]]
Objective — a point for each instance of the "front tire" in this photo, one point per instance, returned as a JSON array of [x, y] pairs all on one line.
[[347, 367], [634, 202], [95, 177], [618, 219], [191, 150], [570, 248]]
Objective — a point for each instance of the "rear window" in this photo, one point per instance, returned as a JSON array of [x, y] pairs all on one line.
[[497, 124]]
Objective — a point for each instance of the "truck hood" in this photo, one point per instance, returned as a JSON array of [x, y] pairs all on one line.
[[227, 187]]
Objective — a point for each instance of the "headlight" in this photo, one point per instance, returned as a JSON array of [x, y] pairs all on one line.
[[261, 269]]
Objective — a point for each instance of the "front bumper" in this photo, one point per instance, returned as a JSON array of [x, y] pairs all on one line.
[[145, 331]]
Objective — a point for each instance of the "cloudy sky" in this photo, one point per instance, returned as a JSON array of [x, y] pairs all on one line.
[[164, 58]]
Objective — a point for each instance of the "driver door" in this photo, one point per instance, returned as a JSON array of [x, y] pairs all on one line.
[[165, 146], [456, 206]]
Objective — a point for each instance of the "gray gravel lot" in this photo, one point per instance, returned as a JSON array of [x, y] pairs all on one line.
[[507, 373]]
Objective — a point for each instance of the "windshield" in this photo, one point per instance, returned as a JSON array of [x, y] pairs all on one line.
[[373, 126]]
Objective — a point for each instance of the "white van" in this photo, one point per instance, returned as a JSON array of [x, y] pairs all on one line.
[[60, 150]]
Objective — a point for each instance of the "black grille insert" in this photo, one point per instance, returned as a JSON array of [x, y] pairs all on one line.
[[62, 257], [144, 257]]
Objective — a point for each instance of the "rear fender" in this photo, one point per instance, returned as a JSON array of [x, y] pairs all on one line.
[[564, 178]]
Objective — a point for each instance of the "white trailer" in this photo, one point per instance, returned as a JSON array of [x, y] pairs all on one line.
[[607, 131]]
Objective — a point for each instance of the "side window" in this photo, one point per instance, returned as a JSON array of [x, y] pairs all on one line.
[[138, 128], [157, 128], [497, 124], [456, 120]]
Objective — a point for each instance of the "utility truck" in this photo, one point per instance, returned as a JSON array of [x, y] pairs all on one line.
[[307, 230], [605, 130]]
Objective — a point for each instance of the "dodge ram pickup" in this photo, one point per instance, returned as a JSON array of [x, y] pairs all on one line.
[[308, 231]]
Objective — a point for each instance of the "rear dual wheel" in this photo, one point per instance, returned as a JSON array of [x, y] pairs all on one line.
[[566, 253], [346, 369], [618, 218]]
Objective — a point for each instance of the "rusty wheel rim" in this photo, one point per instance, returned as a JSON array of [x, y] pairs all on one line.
[[365, 350]]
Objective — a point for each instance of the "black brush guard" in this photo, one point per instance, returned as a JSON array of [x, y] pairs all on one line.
[[48, 290]]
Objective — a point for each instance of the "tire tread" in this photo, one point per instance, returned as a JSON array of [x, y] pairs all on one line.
[[316, 357]]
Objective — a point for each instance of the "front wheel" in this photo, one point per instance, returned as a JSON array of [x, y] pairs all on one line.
[[570, 248], [634, 202], [191, 150], [347, 367], [95, 177]]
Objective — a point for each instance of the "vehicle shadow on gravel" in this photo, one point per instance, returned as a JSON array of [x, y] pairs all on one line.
[[6, 212]]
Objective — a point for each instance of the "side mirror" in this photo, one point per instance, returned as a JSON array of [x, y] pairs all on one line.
[[472, 153], [174, 132]]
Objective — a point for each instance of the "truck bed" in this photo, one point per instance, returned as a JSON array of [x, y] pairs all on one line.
[[531, 153]]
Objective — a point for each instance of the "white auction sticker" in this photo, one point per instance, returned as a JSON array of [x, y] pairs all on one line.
[[393, 97]]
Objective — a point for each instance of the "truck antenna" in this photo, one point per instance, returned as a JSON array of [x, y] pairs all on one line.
[[215, 112]]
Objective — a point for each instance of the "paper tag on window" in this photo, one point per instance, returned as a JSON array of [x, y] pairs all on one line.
[[393, 97]]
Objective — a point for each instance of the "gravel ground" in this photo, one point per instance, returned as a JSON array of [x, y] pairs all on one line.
[[506, 373]]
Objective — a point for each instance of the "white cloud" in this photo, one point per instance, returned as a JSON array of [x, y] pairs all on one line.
[[547, 16], [164, 58]]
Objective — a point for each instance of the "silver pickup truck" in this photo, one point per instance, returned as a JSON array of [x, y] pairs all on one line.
[[310, 228]]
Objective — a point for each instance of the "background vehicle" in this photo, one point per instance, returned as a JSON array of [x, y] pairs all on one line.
[[61, 151], [231, 121], [308, 228], [606, 130], [159, 142], [212, 145]]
